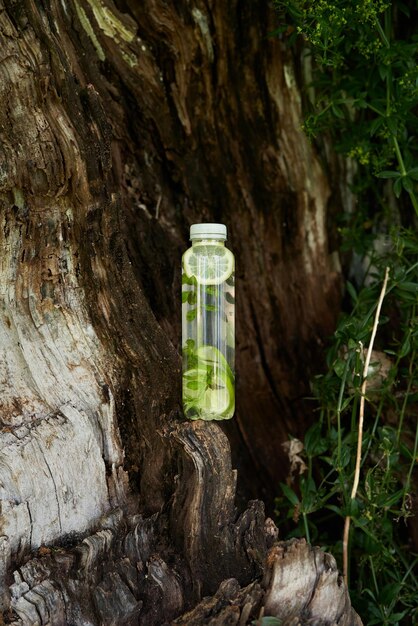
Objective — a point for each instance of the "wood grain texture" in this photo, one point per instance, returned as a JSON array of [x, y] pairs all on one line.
[[203, 516], [59, 429], [115, 576]]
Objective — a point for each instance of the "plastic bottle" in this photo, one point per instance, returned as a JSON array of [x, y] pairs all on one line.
[[208, 325]]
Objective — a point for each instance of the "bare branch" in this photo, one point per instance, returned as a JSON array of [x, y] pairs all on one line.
[[360, 423]]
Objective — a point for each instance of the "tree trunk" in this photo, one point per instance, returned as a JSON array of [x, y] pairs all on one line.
[[122, 123]]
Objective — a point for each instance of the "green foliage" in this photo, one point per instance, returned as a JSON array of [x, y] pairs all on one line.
[[384, 586], [364, 87], [363, 96]]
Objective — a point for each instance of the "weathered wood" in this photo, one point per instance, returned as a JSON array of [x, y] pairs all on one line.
[[301, 585], [147, 571], [115, 577], [203, 509], [196, 128]]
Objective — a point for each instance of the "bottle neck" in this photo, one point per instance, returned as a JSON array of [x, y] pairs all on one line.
[[208, 242]]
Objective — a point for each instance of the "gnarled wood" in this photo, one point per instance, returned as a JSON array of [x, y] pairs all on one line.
[[301, 585], [116, 576], [203, 509]]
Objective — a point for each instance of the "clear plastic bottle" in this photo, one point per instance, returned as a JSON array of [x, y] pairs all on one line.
[[208, 325]]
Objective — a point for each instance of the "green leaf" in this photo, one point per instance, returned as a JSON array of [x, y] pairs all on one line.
[[354, 508], [289, 494], [345, 455], [375, 125], [192, 297], [191, 315], [346, 403], [328, 460], [351, 290], [339, 367], [338, 112], [314, 443], [229, 298], [370, 593], [407, 184], [388, 501], [406, 347], [395, 618], [186, 280], [184, 296], [397, 187], [413, 173], [408, 286], [389, 592], [309, 503], [383, 71], [388, 174], [352, 344], [392, 125], [335, 509]]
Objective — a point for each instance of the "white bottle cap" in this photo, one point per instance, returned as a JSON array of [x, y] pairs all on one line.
[[208, 231]]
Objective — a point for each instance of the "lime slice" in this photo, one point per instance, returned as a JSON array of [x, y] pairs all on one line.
[[212, 356], [211, 268], [210, 392]]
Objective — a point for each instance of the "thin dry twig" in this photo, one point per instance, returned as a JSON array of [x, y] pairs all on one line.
[[360, 424]]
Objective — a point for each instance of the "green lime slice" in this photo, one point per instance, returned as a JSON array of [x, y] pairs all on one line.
[[209, 269], [212, 356], [208, 388], [209, 392]]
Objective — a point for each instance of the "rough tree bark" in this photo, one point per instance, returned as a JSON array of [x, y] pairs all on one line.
[[121, 123]]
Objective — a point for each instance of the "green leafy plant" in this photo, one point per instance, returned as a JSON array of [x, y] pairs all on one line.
[[364, 87], [362, 97], [381, 558]]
